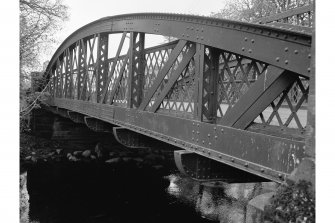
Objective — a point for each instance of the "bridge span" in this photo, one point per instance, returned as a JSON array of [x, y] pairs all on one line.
[[233, 92]]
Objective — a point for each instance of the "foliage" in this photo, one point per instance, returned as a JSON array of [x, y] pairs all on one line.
[[39, 21], [251, 10], [293, 203]]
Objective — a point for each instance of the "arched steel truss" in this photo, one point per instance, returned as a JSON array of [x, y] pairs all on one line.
[[230, 91]]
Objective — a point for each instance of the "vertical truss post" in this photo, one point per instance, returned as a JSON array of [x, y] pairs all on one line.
[[136, 70], [62, 76], [68, 74], [199, 63], [212, 74], [54, 77], [72, 59], [102, 65], [82, 67], [58, 79], [207, 87]]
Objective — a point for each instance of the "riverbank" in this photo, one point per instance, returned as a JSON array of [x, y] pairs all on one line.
[[38, 150]]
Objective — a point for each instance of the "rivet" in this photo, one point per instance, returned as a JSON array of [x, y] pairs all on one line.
[[203, 141], [209, 153], [309, 55], [277, 59], [262, 170], [192, 139], [210, 144], [243, 48], [286, 61], [198, 132], [221, 130], [183, 34], [202, 38], [286, 49], [246, 164], [188, 35], [296, 52], [309, 69], [214, 128], [245, 39], [192, 131], [198, 125], [279, 175], [250, 51], [197, 140], [187, 27], [220, 156], [215, 137], [252, 41], [209, 135]]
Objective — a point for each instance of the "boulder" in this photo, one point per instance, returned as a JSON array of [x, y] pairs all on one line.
[[86, 153], [76, 153], [114, 160]]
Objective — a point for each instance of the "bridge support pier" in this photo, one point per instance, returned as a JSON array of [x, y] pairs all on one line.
[[205, 169], [132, 139]]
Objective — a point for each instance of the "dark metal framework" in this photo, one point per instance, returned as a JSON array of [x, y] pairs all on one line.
[[230, 91]]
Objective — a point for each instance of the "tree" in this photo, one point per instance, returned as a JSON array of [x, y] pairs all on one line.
[[39, 21], [251, 10]]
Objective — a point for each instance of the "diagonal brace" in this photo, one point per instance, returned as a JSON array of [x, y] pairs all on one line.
[[110, 74], [160, 77], [185, 61], [119, 78], [267, 88]]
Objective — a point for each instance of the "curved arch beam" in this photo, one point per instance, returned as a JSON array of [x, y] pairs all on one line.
[[287, 49]]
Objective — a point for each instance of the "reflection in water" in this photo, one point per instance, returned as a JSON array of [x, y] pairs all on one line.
[[95, 192], [24, 199], [220, 201], [125, 192]]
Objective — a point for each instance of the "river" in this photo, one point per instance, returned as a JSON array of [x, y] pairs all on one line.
[[124, 192]]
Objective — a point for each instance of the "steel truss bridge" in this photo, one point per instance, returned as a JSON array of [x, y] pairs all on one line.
[[233, 92]]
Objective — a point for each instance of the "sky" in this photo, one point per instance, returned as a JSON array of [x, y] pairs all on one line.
[[84, 12]]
